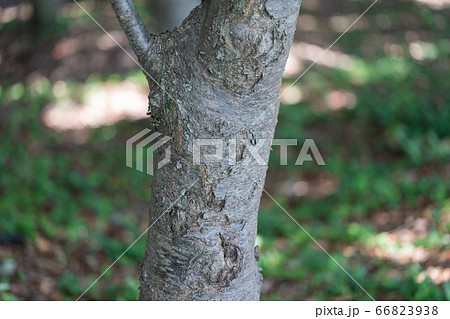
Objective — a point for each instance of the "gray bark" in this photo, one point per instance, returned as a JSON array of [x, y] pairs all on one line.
[[223, 68]]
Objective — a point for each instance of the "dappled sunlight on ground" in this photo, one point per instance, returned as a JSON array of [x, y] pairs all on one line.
[[22, 12], [402, 245], [438, 275], [318, 187], [340, 99], [435, 4], [302, 51], [107, 105]]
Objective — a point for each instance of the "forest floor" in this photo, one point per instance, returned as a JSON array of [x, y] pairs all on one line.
[[377, 105]]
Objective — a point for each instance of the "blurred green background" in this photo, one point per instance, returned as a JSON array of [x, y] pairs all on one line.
[[377, 105]]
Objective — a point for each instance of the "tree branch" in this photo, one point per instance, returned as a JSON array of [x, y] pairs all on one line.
[[130, 20]]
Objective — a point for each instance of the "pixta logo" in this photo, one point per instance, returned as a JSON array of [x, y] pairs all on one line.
[[201, 151], [144, 141]]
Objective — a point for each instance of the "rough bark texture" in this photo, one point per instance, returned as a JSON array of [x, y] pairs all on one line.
[[221, 69]]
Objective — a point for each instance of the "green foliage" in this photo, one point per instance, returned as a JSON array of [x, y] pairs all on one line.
[[386, 154], [69, 193]]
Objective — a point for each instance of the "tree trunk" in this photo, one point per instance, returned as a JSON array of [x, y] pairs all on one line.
[[219, 71]]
